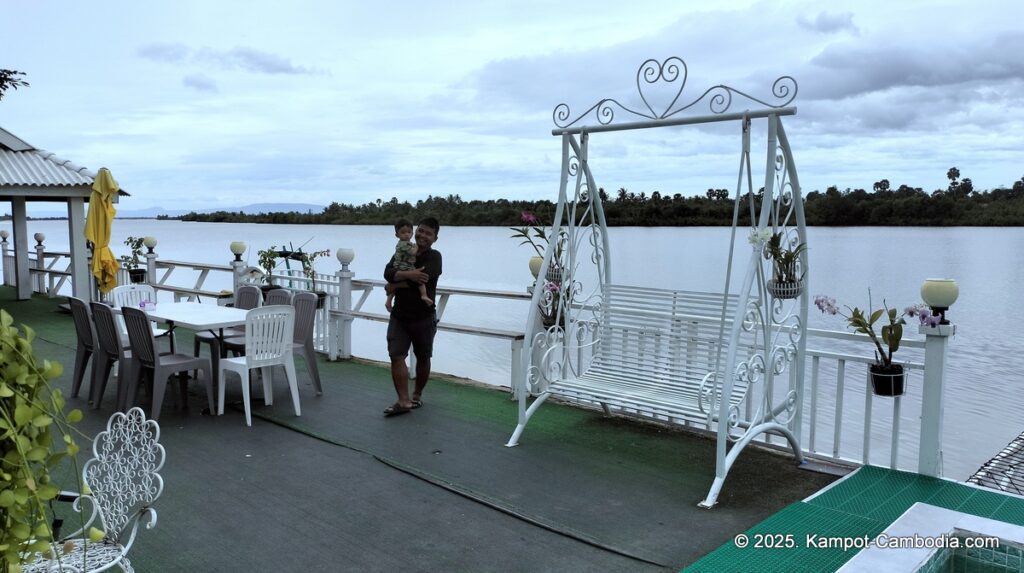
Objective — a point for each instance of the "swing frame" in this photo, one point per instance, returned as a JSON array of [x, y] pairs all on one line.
[[744, 395]]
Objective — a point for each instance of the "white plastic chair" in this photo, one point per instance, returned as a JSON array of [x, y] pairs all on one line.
[[134, 295], [268, 342], [124, 482]]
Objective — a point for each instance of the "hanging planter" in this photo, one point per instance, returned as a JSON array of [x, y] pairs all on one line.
[[554, 275], [137, 276], [785, 290], [887, 380]]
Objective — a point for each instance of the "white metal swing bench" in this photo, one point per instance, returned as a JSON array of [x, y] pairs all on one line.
[[714, 360]]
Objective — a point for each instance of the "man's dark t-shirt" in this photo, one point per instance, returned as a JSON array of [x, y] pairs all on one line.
[[408, 305]]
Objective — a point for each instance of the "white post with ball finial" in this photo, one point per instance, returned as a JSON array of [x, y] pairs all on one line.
[[341, 342], [939, 294]]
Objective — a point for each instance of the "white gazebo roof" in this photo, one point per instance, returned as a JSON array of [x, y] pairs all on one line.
[[31, 174], [39, 175]]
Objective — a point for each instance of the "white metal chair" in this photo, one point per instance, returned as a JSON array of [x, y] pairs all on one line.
[[123, 481], [134, 295], [268, 342]]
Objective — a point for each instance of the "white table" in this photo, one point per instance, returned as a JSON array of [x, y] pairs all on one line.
[[196, 316]]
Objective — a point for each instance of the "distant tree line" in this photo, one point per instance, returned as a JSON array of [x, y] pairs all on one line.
[[957, 205]]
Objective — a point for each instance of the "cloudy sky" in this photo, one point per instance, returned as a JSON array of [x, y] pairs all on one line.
[[199, 104]]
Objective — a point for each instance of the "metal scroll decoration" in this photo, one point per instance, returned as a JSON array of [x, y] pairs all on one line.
[[570, 286], [672, 73]]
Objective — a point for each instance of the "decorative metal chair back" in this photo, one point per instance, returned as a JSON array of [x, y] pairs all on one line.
[[305, 316], [278, 296], [248, 297], [86, 341], [123, 482], [123, 473], [132, 295], [268, 335], [140, 335]]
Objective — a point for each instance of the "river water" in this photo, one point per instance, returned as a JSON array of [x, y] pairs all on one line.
[[984, 400]]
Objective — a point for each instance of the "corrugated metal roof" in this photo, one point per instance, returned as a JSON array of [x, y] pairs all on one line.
[[38, 168], [22, 165]]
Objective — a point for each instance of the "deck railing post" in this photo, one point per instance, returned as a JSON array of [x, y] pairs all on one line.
[[8, 272], [40, 262], [929, 461], [342, 339], [151, 267]]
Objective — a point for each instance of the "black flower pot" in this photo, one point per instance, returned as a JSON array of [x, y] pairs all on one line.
[[137, 276], [887, 380]]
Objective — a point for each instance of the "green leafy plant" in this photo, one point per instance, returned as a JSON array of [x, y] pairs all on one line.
[[131, 261], [268, 261], [307, 260], [785, 261], [31, 421]]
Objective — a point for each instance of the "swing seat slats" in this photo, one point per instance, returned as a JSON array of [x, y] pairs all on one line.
[[654, 349]]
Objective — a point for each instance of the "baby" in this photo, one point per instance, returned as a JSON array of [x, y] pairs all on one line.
[[405, 260]]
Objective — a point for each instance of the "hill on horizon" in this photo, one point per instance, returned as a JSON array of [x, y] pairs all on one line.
[[154, 212]]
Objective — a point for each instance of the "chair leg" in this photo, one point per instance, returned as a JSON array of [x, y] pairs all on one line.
[[208, 382], [244, 375], [293, 384], [195, 352], [268, 388], [82, 355], [101, 372], [222, 375], [183, 388], [159, 389], [125, 373], [314, 371]]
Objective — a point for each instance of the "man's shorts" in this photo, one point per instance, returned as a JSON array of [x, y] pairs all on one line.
[[419, 333]]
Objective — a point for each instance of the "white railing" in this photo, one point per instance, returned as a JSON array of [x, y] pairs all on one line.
[[841, 419], [879, 424]]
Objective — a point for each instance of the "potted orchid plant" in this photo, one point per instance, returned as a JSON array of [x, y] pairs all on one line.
[[886, 377], [787, 280], [535, 235]]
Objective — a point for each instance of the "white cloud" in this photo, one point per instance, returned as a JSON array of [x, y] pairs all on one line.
[[326, 101], [827, 23]]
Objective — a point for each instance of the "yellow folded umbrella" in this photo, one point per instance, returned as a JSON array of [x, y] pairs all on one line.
[[97, 229]]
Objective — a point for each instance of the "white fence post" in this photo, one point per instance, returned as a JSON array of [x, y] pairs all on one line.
[[929, 460], [341, 339], [8, 277], [150, 243], [40, 262]]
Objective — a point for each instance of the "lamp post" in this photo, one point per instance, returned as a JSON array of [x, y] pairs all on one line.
[[3, 252], [40, 262], [341, 342], [150, 244], [237, 266], [939, 294]]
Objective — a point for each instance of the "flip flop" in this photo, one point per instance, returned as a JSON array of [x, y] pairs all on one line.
[[416, 403], [396, 409]]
